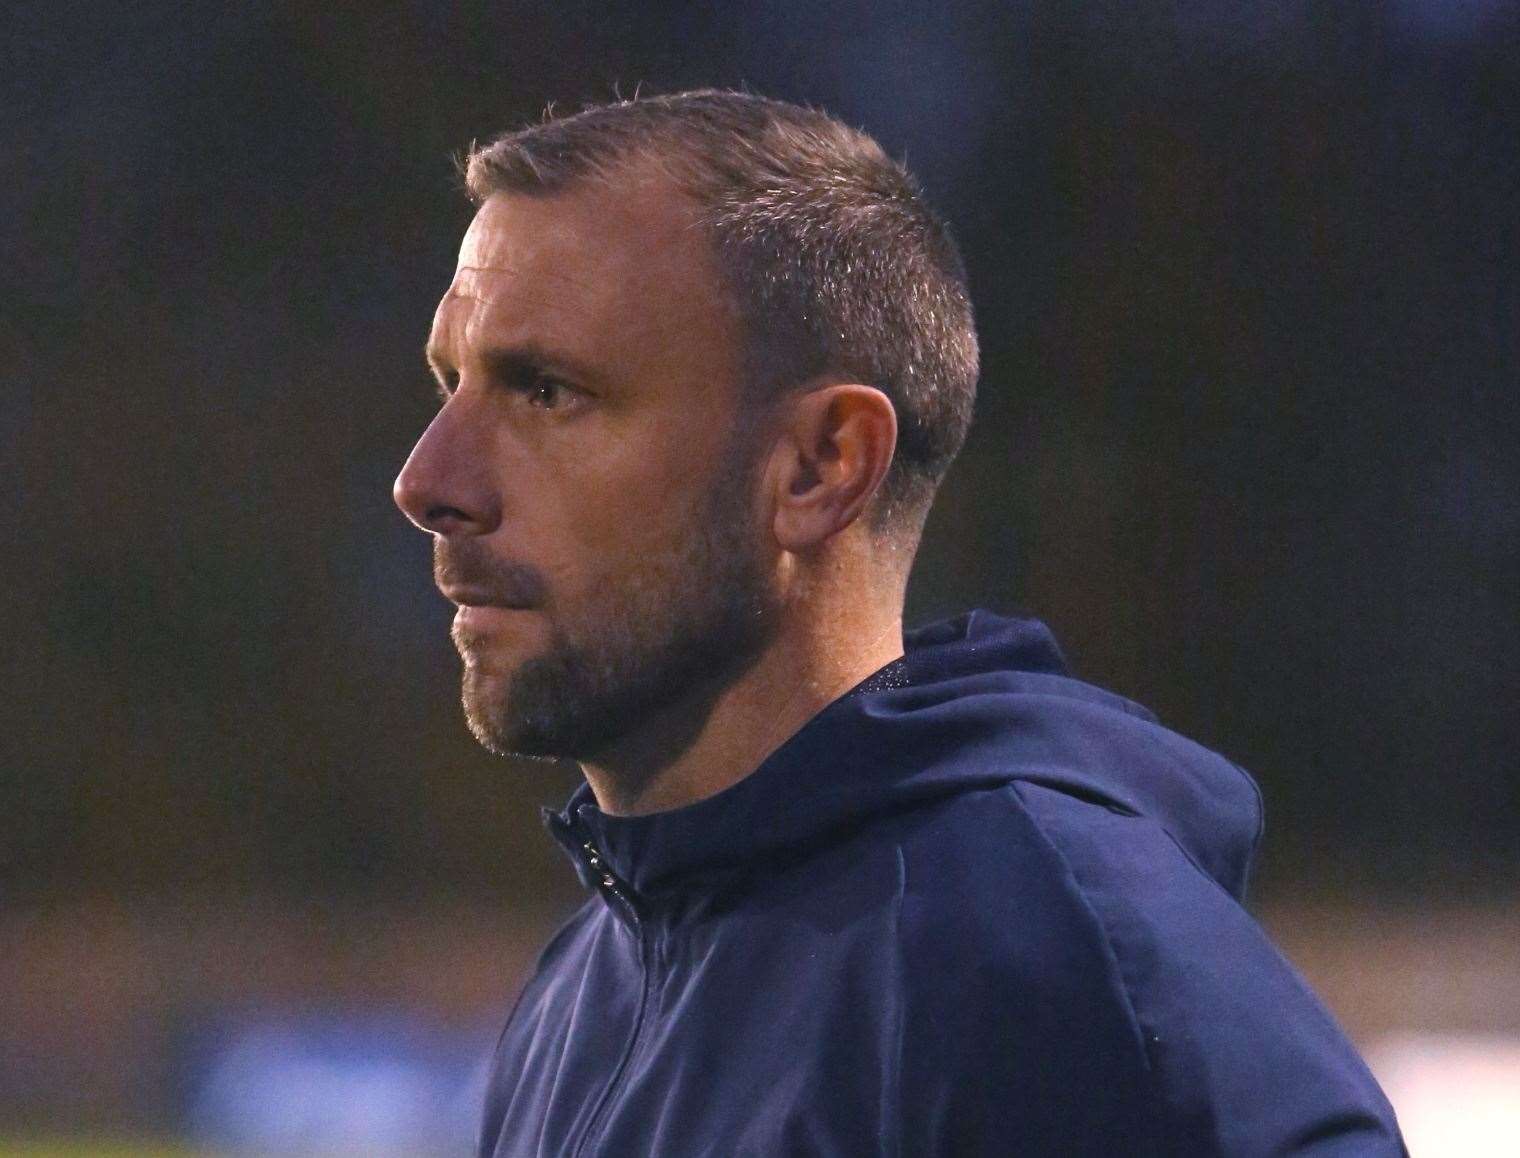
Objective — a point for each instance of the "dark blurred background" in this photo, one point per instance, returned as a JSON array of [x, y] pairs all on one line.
[[1246, 281]]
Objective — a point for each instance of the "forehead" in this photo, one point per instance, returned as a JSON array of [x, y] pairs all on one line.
[[608, 271]]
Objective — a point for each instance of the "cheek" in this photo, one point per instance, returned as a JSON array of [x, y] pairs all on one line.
[[590, 535], [645, 484], [625, 538], [621, 502]]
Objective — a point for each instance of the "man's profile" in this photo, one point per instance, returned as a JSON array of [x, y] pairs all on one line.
[[703, 363]]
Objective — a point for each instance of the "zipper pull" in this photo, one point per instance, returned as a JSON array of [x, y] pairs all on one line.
[[598, 866], [609, 881]]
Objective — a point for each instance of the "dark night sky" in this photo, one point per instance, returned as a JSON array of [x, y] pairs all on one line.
[[1246, 282]]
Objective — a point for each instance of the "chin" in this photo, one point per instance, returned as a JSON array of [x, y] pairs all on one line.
[[484, 696], [481, 694]]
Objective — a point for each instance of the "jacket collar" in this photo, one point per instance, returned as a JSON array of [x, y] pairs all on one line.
[[975, 702], [847, 761]]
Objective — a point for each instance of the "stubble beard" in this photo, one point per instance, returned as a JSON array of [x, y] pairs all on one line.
[[685, 621]]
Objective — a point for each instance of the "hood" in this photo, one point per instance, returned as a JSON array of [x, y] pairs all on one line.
[[975, 702]]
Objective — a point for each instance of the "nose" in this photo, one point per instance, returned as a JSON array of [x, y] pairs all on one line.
[[445, 486]]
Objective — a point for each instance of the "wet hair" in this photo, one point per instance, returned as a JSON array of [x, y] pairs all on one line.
[[836, 264]]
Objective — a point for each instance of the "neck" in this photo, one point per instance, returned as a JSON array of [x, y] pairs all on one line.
[[674, 761]]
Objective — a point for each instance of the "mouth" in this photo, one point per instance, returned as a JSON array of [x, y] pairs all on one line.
[[478, 625], [481, 617], [466, 597]]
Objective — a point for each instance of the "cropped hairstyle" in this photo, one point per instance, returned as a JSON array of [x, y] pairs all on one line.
[[835, 263]]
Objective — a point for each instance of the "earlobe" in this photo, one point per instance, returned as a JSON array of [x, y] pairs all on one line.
[[836, 447]]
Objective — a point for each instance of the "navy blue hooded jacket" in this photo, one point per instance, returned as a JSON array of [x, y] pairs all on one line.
[[973, 907]]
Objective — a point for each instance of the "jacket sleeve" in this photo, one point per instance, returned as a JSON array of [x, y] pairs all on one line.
[[1239, 1056]]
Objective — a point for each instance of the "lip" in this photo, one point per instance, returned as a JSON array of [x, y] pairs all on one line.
[[483, 621], [477, 597], [484, 610]]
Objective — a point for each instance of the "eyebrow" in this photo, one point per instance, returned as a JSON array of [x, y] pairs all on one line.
[[514, 357]]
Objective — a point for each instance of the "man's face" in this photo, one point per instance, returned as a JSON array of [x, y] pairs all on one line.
[[585, 482]]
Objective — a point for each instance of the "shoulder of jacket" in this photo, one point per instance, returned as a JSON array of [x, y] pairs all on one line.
[[983, 870]]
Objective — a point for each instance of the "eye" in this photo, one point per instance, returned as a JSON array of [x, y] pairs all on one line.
[[545, 392]]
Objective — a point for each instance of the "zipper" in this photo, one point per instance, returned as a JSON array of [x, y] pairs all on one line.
[[616, 889]]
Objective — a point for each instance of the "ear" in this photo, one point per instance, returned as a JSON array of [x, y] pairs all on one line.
[[831, 453]]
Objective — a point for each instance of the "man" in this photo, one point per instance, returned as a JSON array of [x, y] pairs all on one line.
[[703, 363]]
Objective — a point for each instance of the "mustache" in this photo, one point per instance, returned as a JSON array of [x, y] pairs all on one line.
[[467, 564]]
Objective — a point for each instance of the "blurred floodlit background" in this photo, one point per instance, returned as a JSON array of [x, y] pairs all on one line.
[[1246, 280]]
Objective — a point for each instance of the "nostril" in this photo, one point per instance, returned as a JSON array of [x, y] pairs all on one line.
[[441, 518]]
